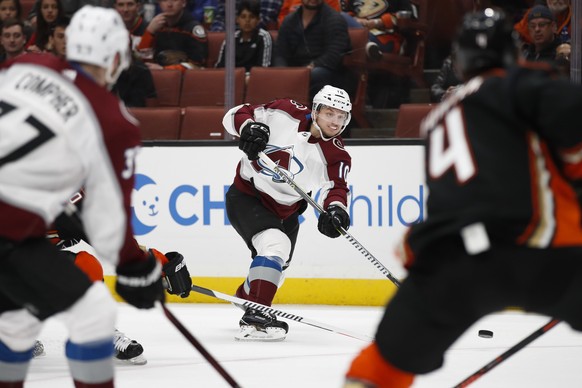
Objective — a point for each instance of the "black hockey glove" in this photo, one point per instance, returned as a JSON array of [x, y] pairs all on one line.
[[140, 283], [177, 275], [330, 221], [253, 139]]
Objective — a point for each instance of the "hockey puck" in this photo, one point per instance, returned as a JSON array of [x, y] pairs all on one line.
[[485, 334]]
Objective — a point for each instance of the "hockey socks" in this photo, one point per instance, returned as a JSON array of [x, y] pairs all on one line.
[[13, 366], [262, 282], [91, 364], [260, 286]]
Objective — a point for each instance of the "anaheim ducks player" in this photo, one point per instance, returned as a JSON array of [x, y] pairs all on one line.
[[264, 210]]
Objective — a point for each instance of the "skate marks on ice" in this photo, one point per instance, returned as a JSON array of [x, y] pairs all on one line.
[[309, 357]]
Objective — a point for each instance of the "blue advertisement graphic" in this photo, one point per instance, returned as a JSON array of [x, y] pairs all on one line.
[[387, 207]]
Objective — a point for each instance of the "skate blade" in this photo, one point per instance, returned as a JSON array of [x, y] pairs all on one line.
[[251, 334], [138, 360]]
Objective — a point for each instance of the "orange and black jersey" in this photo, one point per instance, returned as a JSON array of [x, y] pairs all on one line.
[[506, 150], [188, 36]]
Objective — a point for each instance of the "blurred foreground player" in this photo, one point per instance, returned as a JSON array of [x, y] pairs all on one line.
[[67, 232], [504, 172], [264, 210], [60, 129]]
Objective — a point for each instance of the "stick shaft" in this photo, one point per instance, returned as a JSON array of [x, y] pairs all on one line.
[[508, 353], [182, 329], [257, 306], [275, 168]]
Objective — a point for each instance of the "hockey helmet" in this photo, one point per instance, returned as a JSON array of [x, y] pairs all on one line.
[[486, 39], [334, 98], [94, 36]]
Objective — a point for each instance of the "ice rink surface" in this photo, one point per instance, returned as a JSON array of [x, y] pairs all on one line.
[[312, 357]]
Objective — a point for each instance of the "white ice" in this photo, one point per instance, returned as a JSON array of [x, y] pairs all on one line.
[[312, 357]]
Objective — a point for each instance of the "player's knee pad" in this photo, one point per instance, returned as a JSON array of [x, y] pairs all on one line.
[[272, 242], [19, 329], [90, 265], [91, 318]]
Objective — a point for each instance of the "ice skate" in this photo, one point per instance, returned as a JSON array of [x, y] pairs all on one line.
[[38, 350], [128, 351], [260, 326]]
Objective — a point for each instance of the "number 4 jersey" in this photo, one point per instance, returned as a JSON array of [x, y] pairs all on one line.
[[506, 151], [60, 131]]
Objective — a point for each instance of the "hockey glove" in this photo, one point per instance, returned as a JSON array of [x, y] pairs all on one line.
[[253, 139], [140, 283], [177, 275], [334, 218]]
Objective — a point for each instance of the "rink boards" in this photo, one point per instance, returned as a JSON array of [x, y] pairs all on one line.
[[178, 205]]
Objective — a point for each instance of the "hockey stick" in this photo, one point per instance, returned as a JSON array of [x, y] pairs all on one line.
[[511, 351], [275, 168], [257, 306], [199, 347]]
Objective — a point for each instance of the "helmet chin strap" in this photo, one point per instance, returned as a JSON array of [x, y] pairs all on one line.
[[315, 114]]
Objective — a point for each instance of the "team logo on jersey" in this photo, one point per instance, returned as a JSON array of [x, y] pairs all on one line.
[[284, 158], [336, 142], [146, 205], [198, 31]]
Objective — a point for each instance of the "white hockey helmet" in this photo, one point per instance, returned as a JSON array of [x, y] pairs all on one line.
[[334, 98], [94, 36]]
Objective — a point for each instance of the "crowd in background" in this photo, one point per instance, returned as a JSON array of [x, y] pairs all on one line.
[[173, 34]]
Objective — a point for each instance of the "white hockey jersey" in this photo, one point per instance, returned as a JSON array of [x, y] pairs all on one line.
[[52, 143], [311, 162]]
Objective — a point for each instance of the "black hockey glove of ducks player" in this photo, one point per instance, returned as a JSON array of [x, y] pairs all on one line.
[[253, 139], [334, 218]]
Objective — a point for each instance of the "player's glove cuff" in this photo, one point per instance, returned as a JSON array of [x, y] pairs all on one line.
[[140, 283]]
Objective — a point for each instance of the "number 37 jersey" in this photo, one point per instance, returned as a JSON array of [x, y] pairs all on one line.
[[53, 142], [506, 151]]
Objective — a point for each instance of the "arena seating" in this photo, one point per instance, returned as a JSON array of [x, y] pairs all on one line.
[[269, 83], [168, 85], [158, 123], [202, 123], [205, 87], [409, 118]]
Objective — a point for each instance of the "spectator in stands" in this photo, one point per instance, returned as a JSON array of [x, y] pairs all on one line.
[[542, 30], [381, 20], [130, 11], [292, 5], [269, 12], [253, 45], [58, 39], [135, 85], [12, 38], [562, 12], [177, 40], [315, 36], [446, 81], [563, 59], [10, 9], [47, 11]]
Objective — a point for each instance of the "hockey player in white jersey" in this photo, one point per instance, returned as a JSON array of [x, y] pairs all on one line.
[[264, 210], [60, 130]]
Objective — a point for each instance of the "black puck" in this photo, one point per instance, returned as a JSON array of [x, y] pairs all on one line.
[[485, 333]]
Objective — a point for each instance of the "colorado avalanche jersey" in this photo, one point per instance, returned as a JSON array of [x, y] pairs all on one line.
[[311, 162], [504, 151], [60, 131]]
